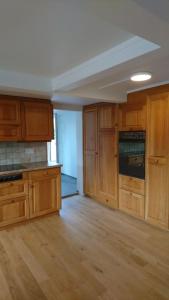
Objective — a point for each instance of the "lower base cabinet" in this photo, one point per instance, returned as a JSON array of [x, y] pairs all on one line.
[[13, 210], [37, 194], [131, 203], [131, 196], [44, 192], [14, 206]]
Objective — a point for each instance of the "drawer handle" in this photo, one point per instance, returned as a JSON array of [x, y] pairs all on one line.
[[155, 161]]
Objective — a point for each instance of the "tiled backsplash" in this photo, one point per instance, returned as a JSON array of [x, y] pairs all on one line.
[[18, 153]]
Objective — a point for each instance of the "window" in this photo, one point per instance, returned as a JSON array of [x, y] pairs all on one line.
[[52, 146]]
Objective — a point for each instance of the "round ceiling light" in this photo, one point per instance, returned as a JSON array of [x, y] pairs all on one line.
[[142, 76]]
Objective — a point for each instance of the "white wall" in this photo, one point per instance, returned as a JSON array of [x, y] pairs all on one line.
[[67, 141], [70, 143]]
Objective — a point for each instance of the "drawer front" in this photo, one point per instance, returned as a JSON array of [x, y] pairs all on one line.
[[44, 173], [13, 210], [14, 188], [132, 184], [131, 203]]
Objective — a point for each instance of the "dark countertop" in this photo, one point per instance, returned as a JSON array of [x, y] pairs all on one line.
[[27, 167]]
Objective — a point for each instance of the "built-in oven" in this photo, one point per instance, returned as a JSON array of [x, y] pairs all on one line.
[[132, 153]]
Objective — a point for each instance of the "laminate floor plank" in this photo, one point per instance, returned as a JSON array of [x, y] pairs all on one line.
[[89, 252]]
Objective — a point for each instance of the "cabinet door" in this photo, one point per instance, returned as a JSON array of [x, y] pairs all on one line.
[[44, 196], [90, 129], [13, 210], [90, 151], [158, 125], [10, 133], [107, 116], [38, 121], [90, 174], [131, 203], [132, 116], [107, 168], [10, 112], [157, 191], [132, 184], [10, 120]]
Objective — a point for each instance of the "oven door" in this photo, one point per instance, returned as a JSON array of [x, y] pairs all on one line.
[[132, 164]]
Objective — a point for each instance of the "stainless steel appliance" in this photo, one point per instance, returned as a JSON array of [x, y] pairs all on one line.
[[132, 153]]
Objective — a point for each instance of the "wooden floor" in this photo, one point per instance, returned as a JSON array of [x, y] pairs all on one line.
[[90, 252]]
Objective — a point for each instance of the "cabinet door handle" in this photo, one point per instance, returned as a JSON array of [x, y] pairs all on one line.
[[154, 161]]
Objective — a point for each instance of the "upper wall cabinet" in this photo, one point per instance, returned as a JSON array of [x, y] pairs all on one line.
[[132, 115], [24, 120], [10, 112], [158, 125], [10, 119], [107, 116], [37, 118]]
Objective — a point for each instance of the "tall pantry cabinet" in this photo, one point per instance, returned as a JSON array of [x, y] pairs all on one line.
[[100, 153], [157, 180], [90, 150]]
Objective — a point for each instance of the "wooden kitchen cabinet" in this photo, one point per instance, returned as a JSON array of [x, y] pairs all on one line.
[[157, 204], [131, 195], [13, 211], [10, 133], [45, 192], [100, 153], [24, 119], [107, 168], [158, 125], [10, 111], [131, 203], [10, 119], [38, 121], [107, 116], [132, 115], [14, 206], [37, 193], [158, 191], [90, 150], [132, 184]]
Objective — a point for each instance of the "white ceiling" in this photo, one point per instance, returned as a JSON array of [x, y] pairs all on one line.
[[80, 52], [47, 38]]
